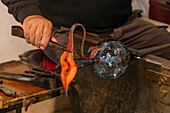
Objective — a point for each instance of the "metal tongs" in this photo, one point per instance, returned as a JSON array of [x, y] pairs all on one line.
[[18, 31]]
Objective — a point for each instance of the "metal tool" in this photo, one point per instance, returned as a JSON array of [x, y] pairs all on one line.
[[41, 79], [113, 57], [15, 74], [83, 62], [7, 91], [18, 31]]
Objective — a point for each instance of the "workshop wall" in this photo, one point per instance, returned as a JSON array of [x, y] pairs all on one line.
[[10, 46], [143, 5]]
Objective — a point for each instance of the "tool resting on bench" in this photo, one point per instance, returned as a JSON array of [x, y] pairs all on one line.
[[7, 91], [39, 77]]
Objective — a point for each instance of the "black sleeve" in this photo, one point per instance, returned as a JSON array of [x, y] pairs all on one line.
[[20, 9]]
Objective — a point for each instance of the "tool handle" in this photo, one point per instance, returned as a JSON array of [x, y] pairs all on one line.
[[18, 31], [7, 91]]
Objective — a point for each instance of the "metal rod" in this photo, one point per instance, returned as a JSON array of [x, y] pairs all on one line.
[[146, 51]]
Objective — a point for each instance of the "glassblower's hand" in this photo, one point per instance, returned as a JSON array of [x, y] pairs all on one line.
[[37, 31]]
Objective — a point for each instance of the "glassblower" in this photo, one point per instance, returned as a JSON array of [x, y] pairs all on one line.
[[112, 58]]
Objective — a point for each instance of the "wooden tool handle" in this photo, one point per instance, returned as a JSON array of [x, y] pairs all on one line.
[[17, 31]]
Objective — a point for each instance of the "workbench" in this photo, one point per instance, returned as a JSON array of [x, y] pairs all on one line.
[[27, 93], [146, 83]]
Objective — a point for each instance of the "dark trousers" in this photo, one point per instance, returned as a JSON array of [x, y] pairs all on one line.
[[136, 33]]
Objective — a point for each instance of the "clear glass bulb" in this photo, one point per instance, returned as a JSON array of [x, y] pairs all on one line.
[[112, 60]]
